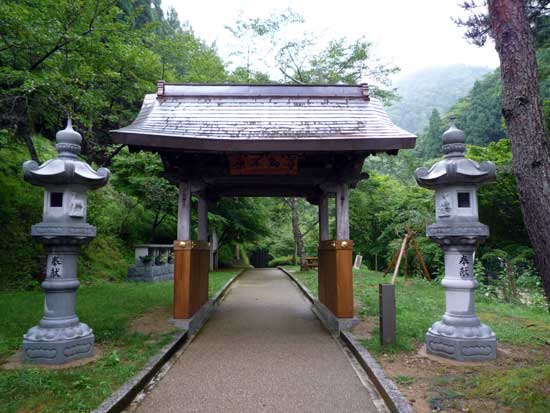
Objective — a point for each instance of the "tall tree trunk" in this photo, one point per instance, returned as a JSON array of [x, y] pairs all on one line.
[[31, 148], [298, 237], [523, 112], [156, 222]]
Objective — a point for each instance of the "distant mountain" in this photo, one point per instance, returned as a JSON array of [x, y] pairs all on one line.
[[434, 88]]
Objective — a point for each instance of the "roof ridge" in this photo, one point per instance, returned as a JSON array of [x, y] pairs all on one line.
[[164, 89]]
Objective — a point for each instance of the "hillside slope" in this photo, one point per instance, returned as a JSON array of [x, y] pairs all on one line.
[[434, 88]]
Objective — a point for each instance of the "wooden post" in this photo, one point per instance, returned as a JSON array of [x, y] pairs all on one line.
[[336, 259], [190, 277], [190, 259], [336, 277], [323, 218], [406, 264], [213, 250], [342, 211], [392, 263], [401, 252], [202, 218], [184, 211], [419, 256]]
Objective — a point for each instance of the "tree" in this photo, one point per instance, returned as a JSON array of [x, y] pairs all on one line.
[[93, 60], [479, 114], [499, 202], [185, 57], [242, 219], [79, 58], [140, 175], [508, 23], [304, 60], [430, 141]]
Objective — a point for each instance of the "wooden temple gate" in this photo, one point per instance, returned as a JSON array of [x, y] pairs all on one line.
[[263, 140]]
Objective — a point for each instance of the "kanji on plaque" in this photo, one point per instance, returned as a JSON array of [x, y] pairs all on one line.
[[263, 164]]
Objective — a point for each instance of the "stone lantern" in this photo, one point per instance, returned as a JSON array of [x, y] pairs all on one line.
[[459, 335], [60, 337]]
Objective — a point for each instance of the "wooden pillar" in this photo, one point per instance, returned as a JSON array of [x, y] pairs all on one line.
[[191, 261], [335, 260], [184, 211], [323, 218], [336, 277], [203, 218], [342, 211]]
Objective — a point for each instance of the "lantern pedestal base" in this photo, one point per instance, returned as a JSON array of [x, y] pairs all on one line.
[[477, 343], [57, 350]]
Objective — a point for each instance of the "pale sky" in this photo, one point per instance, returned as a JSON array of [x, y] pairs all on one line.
[[407, 33]]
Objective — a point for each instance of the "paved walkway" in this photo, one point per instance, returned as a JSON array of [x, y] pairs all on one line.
[[263, 350]]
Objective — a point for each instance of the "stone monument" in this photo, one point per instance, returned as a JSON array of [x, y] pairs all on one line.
[[60, 337], [459, 335]]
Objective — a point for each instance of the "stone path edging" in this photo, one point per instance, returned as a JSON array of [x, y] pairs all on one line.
[[394, 399], [119, 400]]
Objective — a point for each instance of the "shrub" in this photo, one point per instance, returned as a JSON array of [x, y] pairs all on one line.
[[286, 260]]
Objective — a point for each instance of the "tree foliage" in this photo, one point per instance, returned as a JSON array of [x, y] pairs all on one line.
[[429, 144], [92, 60], [499, 204], [306, 59]]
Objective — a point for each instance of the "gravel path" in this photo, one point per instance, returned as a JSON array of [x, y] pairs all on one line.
[[263, 350]]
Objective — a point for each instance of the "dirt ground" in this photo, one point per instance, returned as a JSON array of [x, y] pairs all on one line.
[[154, 321], [433, 384]]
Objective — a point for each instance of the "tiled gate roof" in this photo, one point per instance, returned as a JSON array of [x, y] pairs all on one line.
[[263, 118]]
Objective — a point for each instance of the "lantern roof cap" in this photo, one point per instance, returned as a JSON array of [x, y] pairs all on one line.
[[455, 168], [66, 169]]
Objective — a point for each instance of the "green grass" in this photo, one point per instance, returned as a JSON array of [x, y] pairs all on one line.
[[420, 303], [109, 309], [519, 388], [218, 279]]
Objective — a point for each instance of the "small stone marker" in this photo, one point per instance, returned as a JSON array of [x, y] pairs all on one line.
[[358, 261], [386, 296]]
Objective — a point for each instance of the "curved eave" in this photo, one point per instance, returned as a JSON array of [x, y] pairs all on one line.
[[455, 172], [64, 172], [334, 144], [212, 118]]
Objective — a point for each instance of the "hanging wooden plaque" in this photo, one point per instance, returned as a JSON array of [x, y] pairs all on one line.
[[263, 164]]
